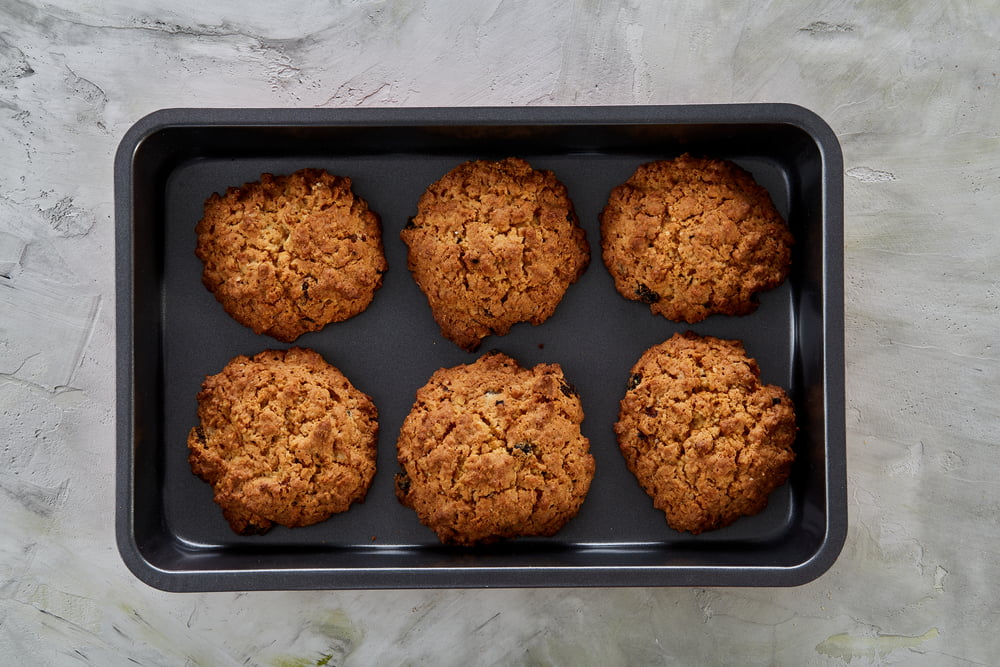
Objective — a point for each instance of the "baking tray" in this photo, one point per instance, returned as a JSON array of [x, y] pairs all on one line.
[[171, 333]]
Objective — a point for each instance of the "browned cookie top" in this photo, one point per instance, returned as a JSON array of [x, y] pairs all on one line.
[[290, 254], [494, 243], [491, 450], [704, 438], [692, 237], [284, 438]]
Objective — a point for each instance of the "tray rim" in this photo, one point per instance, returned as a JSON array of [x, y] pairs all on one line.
[[834, 427]]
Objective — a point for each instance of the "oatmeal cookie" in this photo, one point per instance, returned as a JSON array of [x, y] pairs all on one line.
[[693, 237], [290, 254], [703, 437], [284, 438], [491, 450], [494, 243]]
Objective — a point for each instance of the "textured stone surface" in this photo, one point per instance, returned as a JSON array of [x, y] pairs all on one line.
[[911, 89]]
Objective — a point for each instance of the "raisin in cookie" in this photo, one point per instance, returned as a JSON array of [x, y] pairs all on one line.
[[492, 450], [704, 438], [692, 237], [494, 243], [284, 438], [290, 254]]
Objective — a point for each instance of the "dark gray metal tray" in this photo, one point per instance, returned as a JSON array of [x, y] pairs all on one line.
[[171, 333]]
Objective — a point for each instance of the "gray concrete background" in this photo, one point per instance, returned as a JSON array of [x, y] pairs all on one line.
[[911, 90]]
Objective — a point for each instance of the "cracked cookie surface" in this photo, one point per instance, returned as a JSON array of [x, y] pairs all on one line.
[[692, 237], [491, 450], [704, 438], [286, 255], [284, 437], [494, 243]]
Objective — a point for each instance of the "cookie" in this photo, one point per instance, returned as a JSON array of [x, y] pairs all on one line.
[[284, 438], [693, 237], [286, 255], [705, 439], [494, 243], [491, 450]]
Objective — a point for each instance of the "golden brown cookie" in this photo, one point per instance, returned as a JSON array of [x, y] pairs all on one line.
[[692, 237], [494, 243], [704, 438], [491, 450], [284, 438], [290, 254]]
